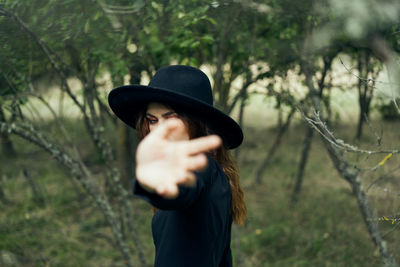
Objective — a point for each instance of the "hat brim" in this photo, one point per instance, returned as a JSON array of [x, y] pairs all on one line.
[[127, 101]]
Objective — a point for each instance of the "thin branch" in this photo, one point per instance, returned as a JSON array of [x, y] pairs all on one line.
[[370, 82], [96, 131], [322, 128], [29, 133], [391, 90], [105, 109], [239, 95], [382, 177], [47, 52], [35, 114], [378, 137], [273, 148], [391, 230], [62, 128], [14, 89]]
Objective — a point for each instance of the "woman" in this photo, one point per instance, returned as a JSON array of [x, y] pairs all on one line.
[[184, 168]]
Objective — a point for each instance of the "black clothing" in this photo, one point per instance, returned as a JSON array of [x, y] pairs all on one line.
[[195, 228]]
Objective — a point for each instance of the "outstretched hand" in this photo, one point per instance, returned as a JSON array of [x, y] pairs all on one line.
[[163, 161]]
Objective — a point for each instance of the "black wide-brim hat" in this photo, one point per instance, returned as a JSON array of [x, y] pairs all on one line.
[[180, 86]]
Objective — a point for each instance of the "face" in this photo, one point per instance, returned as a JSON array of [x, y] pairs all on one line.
[[158, 113]]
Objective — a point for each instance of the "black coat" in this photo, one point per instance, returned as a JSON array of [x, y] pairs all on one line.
[[195, 228]]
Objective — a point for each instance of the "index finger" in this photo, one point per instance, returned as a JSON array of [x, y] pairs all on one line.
[[202, 144]]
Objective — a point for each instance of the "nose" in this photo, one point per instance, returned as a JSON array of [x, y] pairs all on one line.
[[156, 124]]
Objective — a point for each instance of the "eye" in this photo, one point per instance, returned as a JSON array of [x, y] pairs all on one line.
[[151, 120], [172, 115]]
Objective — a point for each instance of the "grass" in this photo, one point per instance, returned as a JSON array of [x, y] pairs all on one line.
[[324, 228]]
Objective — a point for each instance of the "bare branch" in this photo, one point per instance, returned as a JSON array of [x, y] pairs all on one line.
[[273, 148], [28, 132], [391, 89], [368, 81], [239, 95], [322, 128], [46, 50], [382, 177], [336, 149], [392, 230], [14, 89], [378, 136]]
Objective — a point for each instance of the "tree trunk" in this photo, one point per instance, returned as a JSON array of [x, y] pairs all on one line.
[[95, 129], [314, 94], [360, 124], [302, 165], [352, 175], [3, 197], [37, 193], [81, 173], [240, 120], [131, 144], [280, 117], [126, 148], [364, 91], [273, 148], [6, 144]]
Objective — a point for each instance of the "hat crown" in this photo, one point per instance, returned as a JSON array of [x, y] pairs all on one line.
[[184, 80]]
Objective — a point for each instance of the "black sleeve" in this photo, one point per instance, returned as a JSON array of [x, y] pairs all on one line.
[[226, 258], [187, 195]]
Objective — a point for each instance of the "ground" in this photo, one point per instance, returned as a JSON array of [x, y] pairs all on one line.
[[324, 228]]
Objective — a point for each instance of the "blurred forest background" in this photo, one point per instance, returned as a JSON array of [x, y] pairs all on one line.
[[314, 84]]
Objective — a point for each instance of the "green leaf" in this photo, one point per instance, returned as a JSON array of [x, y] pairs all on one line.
[[211, 20], [208, 39], [195, 44], [87, 26], [186, 43]]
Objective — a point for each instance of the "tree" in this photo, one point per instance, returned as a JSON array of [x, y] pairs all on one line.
[[85, 68], [307, 49]]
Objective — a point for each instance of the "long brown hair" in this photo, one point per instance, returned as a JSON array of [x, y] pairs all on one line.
[[222, 155]]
